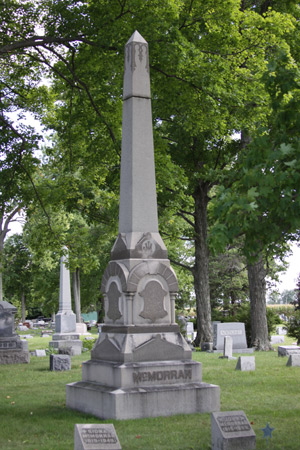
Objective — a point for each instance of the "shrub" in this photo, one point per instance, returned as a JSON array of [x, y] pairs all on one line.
[[293, 326]]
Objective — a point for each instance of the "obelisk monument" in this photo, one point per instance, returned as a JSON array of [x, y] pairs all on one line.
[[65, 337], [141, 365]]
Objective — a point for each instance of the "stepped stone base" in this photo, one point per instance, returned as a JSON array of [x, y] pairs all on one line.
[[67, 341], [14, 357], [149, 389], [13, 351]]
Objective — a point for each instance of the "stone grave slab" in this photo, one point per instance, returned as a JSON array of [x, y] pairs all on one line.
[[231, 430], [12, 349], [81, 328], [40, 353], [287, 350], [245, 363], [227, 352], [190, 330], [294, 360], [278, 339], [236, 330], [96, 437], [59, 363]]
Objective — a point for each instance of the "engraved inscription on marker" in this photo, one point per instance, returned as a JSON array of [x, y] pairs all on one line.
[[230, 332], [232, 424], [97, 436], [9, 344], [161, 375]]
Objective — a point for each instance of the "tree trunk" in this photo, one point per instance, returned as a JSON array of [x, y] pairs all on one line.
[[76, 294], [23, 307], [2, 236], [200, 270], [258, 307]]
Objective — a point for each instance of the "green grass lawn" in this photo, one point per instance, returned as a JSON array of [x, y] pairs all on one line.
[[33, 413]]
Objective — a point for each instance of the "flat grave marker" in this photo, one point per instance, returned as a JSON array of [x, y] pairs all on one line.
[[96, 437], [231, 430]]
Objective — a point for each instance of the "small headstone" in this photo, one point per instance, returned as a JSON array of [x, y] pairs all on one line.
[[46, 335], [23, 328], [81, 328], [190, 330], [286, 350], [277, 339], [227, 352], [96, 437], [40, 353], [206, 346], [245, 363], [294, 361], [27, 336], [281, 330], [231, 430], [60, 362]]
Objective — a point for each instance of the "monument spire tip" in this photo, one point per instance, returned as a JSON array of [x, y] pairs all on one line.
[[136, 37]]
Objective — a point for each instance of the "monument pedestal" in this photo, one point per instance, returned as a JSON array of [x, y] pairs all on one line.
[[67, 341], [137, 390], [13, 351]]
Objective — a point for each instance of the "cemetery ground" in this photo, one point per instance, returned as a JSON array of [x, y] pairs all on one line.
[[33, 413]]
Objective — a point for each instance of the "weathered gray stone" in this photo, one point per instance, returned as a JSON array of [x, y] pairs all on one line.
[[140, 365], [65, 320], [280, 329], [294, 360], [236, 330], [206, 346], [227, 352], [60, 362], [81, 328], [12, 349], [277, 339], [40, 353], [287, 350], [245, 363], [231, 430], [96, 437]]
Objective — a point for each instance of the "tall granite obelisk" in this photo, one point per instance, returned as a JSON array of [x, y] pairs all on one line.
[[140, 366], [65, 337]]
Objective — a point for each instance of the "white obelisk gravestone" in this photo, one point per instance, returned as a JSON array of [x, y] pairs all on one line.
[[140, 366], [65, 336]]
